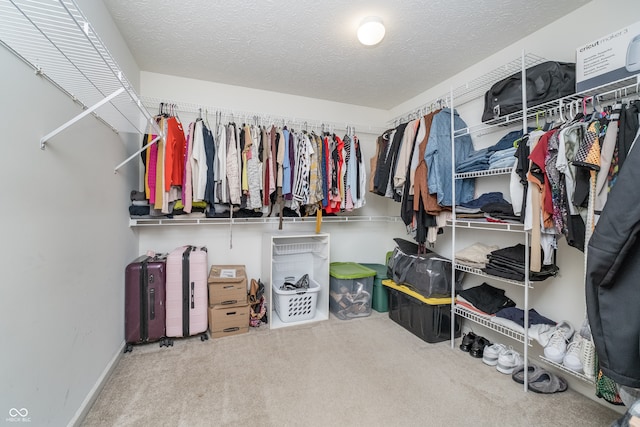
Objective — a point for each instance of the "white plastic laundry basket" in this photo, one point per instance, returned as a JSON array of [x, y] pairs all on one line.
[[297, 304]]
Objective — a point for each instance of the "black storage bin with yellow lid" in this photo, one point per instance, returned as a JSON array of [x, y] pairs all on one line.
[[427, 318]]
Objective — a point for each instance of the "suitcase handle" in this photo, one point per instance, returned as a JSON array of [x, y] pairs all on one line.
[[152, 303], [229, 302], [232, 313], [231, 329], [193, 303]]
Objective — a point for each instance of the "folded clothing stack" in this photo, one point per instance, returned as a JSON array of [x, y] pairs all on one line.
[[491, 206], [140, 207], [476, 205], [486, 298], [503, 159], [492, 304], [499, 212], [197, 209], [474, 256], [499, 155], [509, 264]]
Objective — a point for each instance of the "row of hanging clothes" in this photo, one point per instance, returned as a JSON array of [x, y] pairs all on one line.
[[245, 170], [412, 165], [562, 166], [550, 179], [613, 255]]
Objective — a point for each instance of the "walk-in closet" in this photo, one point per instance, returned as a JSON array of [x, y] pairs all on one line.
[[296, 213]]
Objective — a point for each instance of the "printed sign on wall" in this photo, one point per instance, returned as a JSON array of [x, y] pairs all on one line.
[[610, 58]]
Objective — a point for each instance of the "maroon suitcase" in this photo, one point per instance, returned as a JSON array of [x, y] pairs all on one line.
[[144, 313]]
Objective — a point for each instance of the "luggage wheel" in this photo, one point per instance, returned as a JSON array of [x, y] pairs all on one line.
[[128, 348], [204, 337]]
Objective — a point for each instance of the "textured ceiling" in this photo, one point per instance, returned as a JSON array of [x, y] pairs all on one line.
[[309, 48]]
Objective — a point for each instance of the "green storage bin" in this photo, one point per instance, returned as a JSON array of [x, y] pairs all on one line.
[[350, 289], [380, 298]]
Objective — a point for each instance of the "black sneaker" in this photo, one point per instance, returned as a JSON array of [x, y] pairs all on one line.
[[477, 348], [467, 341]]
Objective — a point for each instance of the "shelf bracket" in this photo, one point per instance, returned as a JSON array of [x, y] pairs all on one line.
[[131, 157], [86, 112]]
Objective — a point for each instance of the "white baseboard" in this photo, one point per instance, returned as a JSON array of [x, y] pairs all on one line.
[[83, 410]]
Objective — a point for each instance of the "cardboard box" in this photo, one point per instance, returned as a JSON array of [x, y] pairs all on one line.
[[227, 285], [613, 57], [226, 321]]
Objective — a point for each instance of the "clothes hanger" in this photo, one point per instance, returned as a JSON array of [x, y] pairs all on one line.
[[561, 113], [571, 113], [175, 111]]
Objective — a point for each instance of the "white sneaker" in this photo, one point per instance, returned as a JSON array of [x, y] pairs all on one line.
[[588, 358], [557, 346], [508, 361], [571, 359], [491, 353]]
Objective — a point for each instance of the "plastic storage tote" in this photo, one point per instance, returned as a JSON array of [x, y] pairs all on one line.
[[380, 297], [351, 286], [427, 318]]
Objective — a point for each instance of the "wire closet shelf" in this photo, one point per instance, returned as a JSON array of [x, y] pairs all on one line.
[[163, 221], [472, 89], [57, 41]]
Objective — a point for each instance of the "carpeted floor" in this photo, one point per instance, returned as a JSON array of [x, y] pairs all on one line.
[[361, 372]]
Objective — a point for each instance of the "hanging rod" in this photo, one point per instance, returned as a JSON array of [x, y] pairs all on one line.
[[248, 116], [422, 110]]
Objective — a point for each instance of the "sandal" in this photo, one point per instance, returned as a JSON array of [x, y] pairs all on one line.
[[534, 373], [548, 383]]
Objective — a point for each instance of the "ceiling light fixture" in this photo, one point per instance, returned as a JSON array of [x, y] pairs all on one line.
[[371, 31]]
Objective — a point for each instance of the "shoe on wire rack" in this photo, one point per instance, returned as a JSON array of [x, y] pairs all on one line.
[[588, 358], [557, 346], [572, 359], [492, 352], [508, 361]]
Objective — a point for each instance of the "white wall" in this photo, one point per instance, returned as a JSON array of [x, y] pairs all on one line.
[[237, 98], [65, 244]]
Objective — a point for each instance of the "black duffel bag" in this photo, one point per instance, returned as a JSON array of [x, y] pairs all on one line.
[[545, 82], [428, 273]]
